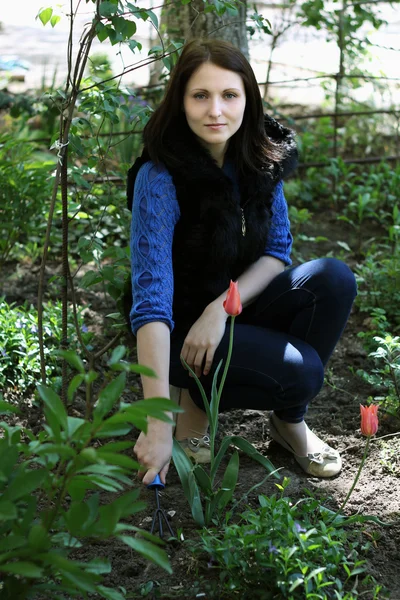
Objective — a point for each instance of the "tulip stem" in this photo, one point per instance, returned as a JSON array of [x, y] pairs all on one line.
[[228, 360], [357, 477]]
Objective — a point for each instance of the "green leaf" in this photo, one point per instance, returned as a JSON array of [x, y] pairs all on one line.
[[185, 471], [90, 277], [24, 484], [26, 569], [74, 385], [45, 15], [54, 20], [8, 510], [110, 593], [109, 396], [38, 537], [118, 459], [5, 407], [11, 542], [63, 451], [54, 404], [113, 429], [102, 32], [107, 9], [203, 479], [117, 355], [72, 359], [149, 551], [99, 566], [248, 449], [229, 481]]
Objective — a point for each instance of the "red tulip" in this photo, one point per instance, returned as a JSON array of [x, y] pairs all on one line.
[[369, 419], [232, 304]]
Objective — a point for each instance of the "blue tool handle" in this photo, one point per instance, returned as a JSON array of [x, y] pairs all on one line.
[[156, 483]]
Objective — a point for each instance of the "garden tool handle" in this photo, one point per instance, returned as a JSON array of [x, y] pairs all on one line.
[[156, 484]]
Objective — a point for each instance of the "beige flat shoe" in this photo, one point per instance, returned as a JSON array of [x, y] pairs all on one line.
[[325, 463], [197, 448]]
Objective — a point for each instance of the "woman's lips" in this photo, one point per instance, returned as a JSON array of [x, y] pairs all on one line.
[[216, 126]]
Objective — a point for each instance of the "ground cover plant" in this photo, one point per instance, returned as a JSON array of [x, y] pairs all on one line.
[[70, 506]]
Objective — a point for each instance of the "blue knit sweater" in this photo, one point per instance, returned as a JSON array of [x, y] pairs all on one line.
[[155, 213]]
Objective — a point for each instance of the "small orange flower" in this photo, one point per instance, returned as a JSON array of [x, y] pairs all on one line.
[[369, 419], [232, 304]]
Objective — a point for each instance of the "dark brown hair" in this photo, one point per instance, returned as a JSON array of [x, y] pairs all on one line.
[[250, 147]]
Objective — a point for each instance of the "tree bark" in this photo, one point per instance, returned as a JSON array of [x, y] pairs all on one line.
[[188, 21]]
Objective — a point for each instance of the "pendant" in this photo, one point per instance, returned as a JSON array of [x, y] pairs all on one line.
[[243, 223]]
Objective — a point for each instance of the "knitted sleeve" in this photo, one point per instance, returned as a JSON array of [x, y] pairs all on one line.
[[279, 242], [155, 212]]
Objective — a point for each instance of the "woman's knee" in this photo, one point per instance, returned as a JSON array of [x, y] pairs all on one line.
[[334, 275], [306, 379]]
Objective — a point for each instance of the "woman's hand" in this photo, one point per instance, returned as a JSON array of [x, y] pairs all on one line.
[[154, 451], [204, 338]]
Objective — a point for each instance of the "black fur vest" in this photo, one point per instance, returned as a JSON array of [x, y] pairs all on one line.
[[209, 248]]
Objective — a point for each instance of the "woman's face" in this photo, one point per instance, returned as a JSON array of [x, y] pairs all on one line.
[[214, 103]]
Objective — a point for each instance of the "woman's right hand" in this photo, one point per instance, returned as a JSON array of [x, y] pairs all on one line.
[[154, 450]]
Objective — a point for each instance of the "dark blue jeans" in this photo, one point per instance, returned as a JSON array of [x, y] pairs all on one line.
[[282, 341]]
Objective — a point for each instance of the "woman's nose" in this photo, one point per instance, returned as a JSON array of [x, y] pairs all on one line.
[[215, 108]]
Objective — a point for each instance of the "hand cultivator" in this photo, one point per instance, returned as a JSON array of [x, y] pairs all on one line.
[[159, 513]]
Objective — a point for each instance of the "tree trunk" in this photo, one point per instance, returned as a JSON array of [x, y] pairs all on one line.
[[188, 21]]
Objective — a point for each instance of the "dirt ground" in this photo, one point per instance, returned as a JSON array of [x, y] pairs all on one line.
[[334, 415]]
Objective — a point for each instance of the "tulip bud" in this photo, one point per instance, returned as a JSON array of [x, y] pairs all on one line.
[[369, 419], [232, 304]]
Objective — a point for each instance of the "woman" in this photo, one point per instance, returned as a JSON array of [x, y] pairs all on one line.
[[208, 207]]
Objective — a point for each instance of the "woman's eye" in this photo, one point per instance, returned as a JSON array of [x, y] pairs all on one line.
[[229, 95], [199, 96]]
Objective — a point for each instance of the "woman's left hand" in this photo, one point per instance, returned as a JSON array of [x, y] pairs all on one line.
[[203, 339]]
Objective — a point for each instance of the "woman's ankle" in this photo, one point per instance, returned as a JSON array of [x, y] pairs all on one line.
[[193, 422]]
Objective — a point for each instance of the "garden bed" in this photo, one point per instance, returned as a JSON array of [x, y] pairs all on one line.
[[334, 415]]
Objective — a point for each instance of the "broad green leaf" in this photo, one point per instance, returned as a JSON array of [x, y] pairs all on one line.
[[45, 15], [102, 32], [117, 446], [72, 359], [109, 396], [74, 385], [203, 479], [185, 471], [110, 593], [229, 481], [24, 484], [107, 9], [99, 566], [112, 430], [248, 449], [5, 407], [11, 542], [154, 404], [76, 517], [90, 277], [81, 580], [116, 421], [38, 537], [8, 510], [117, 355], [148, 550], [26, 569], [8, 460], [54, 20], [118, 459], [63, 451], [74, 423], [54, 404]]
